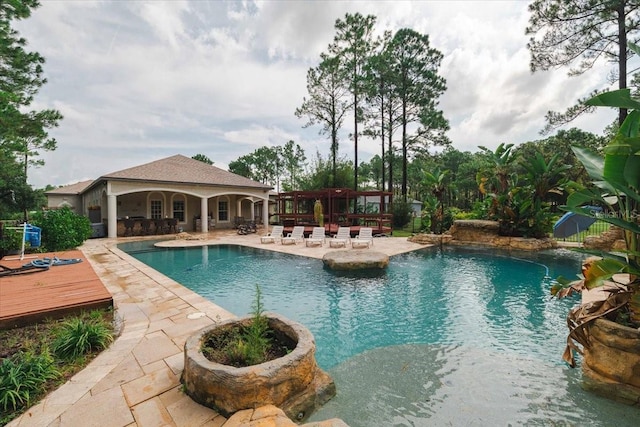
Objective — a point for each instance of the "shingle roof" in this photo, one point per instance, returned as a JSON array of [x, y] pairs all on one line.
[[183, 169], [76, 188]]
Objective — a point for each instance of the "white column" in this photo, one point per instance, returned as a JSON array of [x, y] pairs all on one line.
[[239, 207], [204, 223], [112, 216], [265, 213]]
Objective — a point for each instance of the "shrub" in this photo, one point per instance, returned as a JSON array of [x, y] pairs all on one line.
[[401, 214], [62, 229], [11, 240], [22, 378], [243, 345], [77, 337]]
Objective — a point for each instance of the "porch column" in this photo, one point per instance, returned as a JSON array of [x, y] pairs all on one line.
[[265, 213], [204, 222], [112, 216], [239, 207]]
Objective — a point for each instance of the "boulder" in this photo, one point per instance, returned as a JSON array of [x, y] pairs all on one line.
[[485, 233], [430, 239], [611, 364]]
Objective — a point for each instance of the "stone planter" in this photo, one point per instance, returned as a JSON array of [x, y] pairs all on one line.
[[293, 382], [611, 364]]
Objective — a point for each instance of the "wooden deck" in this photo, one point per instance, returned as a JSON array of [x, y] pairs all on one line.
[[60, 290]]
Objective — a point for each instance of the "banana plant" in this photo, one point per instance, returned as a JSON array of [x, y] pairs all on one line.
[[616, 181]]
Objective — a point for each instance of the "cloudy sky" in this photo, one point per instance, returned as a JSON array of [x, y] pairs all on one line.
[[137, 81]]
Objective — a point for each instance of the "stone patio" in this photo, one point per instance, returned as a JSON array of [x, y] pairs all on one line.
[[136, 381]]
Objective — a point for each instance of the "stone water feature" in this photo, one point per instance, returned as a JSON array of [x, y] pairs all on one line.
[[483, 233]]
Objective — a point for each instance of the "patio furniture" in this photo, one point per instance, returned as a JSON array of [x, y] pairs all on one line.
[[297, 234], [364, 238], [159, 226], [275, 234], [317, 237], [128, 226], [172, 224], [342, 237], [145, 226]]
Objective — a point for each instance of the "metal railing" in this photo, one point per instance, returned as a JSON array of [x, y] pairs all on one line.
[[595, 229]]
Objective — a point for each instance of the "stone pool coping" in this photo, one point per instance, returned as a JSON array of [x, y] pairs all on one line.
[[136, 381]]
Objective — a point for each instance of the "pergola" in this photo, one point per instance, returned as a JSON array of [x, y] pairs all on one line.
[[341, 207]]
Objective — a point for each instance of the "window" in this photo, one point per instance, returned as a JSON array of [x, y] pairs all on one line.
[[156, 209], [223, 210], [178, 210]]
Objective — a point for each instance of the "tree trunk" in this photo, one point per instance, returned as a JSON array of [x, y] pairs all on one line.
[[404, 150], [622, 57]]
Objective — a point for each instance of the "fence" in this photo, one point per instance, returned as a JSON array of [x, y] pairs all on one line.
[[595, 229]]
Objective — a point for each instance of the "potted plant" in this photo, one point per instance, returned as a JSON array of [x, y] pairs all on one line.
[[607, 331], [261, 359]]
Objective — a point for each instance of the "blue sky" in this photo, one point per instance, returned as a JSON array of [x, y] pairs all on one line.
[[141, 80]]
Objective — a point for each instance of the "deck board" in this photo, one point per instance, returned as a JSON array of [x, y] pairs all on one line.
[[60, 290]]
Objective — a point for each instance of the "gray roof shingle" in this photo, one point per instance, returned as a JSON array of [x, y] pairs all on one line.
[[76, 188], [186, 170]]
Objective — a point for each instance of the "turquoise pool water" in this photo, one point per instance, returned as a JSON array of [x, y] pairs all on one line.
[[454, 337]]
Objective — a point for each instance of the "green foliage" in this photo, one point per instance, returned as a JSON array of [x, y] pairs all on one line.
[[434, 182], [320, 175], [256, 335], [617, 189], [202, 158], [401, 213], [579, 33], [79, 336], [327, 103], [23, 132], [242, 345], [417, 86], [22, 378], [62, 229], [11, 240], [272, 165], [520, 201]]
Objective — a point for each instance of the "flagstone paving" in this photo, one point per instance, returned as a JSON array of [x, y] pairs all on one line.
[[136, 381]]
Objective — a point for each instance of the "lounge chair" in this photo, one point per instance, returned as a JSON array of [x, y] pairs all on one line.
[[297, 234], [364, 237], [317, 237], [342, 238], [275, 234]]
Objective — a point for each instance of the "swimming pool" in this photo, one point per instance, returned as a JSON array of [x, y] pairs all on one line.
[[441, 337]]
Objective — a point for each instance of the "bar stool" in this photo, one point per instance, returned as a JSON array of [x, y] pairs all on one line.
[[171, 224], [159, 224], [145, 225], [128, 227]]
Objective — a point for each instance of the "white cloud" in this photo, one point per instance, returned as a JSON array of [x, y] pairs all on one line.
[[137, 81]]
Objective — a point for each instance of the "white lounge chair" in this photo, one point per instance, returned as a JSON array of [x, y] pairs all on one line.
[[275, 234], [342, 238], [317, 237], [364, 238], [297, 234]]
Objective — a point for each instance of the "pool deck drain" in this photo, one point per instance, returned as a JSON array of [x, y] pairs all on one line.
[[136, 381]]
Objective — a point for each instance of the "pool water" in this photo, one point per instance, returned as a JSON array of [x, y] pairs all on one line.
[[442, 337]]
